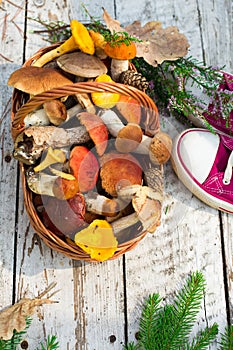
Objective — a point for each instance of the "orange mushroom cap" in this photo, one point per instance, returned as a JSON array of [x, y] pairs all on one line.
[[121, 51]]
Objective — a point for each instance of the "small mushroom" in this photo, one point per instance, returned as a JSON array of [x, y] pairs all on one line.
[[147, 205], [30, 144], [39, 117], [101, 205], [79, 40], [120, 53], [119, 170], [56, 111], [97, 130], [127, 137], [157, 147], [62, 187]]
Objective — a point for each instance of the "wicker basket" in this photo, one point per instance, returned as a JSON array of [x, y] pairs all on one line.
[[21, 107]]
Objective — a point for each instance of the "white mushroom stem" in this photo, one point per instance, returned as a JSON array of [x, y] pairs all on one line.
[[101, 205], [41, 183], [117, 67], [124, 223], [42, 137], [39, 117], [85, 101], [114, 125], [112, 121]]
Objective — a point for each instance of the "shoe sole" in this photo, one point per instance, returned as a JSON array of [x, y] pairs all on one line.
[[192, 185]]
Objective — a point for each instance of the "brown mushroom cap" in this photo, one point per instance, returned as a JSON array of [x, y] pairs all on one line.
[[56, 111], [160, 148], [35, 80], [128, 138], [82, 65], [119, 170]]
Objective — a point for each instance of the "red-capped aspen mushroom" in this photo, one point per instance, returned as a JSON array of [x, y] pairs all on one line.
[[119, 170], [30, 143], [64, 217], [97, 130], [120, 53], [85, 167], [79, 40], [104, 99], [127, 136]]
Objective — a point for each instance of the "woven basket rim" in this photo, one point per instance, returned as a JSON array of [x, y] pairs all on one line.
[[20, 109]]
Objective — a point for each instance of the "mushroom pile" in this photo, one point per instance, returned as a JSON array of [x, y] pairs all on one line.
[[93, 170]]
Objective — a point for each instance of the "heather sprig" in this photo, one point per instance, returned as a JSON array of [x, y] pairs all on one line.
[[186, 86]]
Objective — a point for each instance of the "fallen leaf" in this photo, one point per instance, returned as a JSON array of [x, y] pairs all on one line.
[[158, 44], [14, 317]]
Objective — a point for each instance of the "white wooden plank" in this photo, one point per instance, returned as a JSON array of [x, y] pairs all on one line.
[[10, 31], [187, 240], [91, 305], [189, 236], [216, 25]]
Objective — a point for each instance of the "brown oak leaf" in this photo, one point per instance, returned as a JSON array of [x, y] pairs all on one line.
[[14, 317]]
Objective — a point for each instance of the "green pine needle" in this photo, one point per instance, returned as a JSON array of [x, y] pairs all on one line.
[[226, 342], [51, 344], [169, 327], [203, 339]]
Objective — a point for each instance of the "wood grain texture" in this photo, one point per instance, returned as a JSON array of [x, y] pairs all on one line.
[[11, 21], [95, 300]]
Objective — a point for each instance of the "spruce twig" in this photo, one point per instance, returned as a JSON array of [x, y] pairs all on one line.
[[169, 327]]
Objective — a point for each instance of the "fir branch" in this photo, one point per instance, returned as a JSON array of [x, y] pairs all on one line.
[[203, 339], [51, 344], [226, 342]]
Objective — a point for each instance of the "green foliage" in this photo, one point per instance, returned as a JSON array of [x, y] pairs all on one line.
[[169, 327], [226, 342], [117, 38], [51, 344], [16, 339], [186, 86]]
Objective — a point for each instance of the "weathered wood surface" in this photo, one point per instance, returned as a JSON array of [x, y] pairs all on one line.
[[97, 301]]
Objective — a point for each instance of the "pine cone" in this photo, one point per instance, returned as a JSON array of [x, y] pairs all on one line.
[[133, 78]]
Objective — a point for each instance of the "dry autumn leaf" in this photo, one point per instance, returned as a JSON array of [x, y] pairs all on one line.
[[158, 44], [14, 317]]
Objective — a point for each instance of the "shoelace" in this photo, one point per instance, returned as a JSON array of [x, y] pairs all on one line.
[[228, 171]]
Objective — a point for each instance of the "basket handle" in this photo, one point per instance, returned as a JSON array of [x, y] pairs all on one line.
[[152, 116]]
